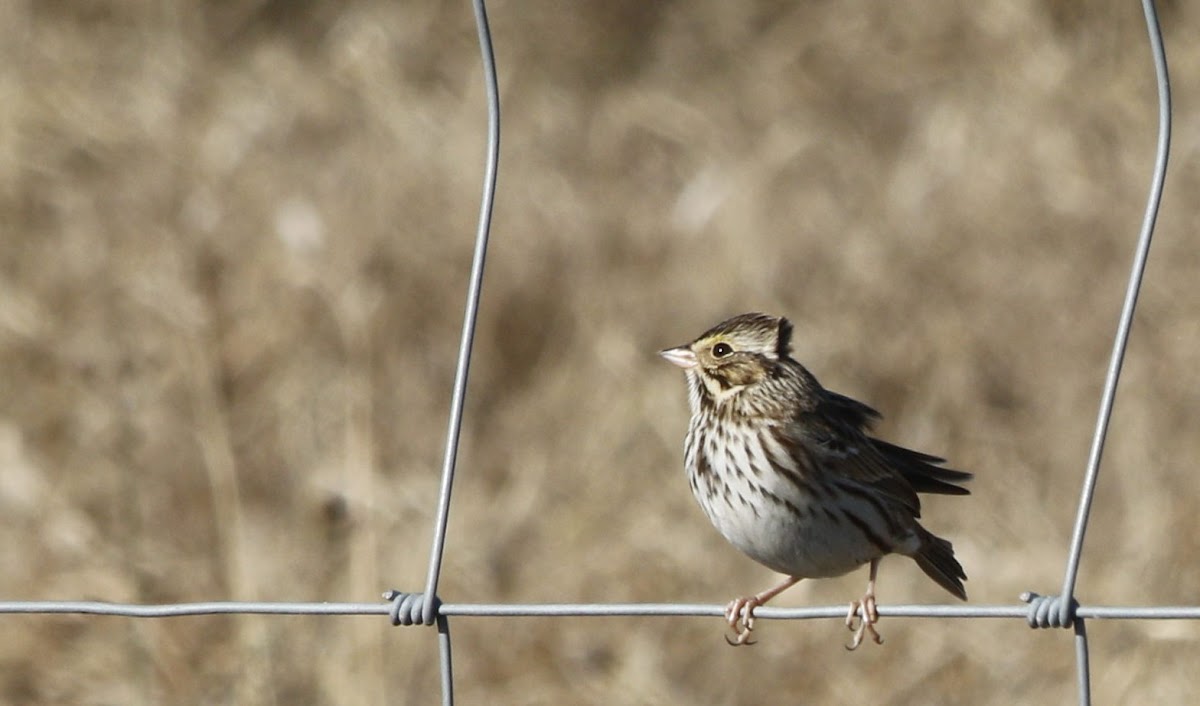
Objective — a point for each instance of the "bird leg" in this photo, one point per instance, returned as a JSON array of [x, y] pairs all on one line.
[[870, 614], [739, 613]]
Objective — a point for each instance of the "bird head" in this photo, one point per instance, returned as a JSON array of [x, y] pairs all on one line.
[[733, 355]]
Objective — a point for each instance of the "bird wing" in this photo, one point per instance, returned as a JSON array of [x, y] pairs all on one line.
[[848, 410], [922, 471], [832, 428], [845, 452]]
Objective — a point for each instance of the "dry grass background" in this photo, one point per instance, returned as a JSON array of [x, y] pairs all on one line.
[[235, 242]]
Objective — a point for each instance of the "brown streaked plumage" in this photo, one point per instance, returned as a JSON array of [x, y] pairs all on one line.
[[786, 471]]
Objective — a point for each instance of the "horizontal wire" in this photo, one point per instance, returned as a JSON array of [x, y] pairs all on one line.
[[512, 610]]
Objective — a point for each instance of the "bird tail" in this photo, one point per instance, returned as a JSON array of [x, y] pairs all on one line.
[[936, 559]]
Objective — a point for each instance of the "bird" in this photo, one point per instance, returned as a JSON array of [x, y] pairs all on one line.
[[788, 473]]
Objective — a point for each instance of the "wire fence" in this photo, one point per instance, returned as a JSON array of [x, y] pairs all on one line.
[[424, 608]]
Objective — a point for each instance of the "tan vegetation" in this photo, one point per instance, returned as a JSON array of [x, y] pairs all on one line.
[[235, 240]]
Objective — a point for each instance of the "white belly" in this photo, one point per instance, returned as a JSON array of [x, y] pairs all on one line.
[[775, 520]]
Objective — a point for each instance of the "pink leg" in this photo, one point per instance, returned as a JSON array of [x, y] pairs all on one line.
[[870, 614], [739, 613]]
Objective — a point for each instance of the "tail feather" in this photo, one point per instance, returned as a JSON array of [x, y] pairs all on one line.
[[936, 559]]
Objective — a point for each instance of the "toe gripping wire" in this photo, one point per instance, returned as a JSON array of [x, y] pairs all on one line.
[[409, 608], [1049, 611]]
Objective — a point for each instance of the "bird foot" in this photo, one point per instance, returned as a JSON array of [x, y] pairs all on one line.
[[864, 624], [739, 613]]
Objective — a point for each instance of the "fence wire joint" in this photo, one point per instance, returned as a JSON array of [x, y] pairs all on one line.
[[1049, 611], [409, 608]]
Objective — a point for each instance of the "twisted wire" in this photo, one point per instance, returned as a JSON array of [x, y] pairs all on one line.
[[412, 608], [1050, 611]]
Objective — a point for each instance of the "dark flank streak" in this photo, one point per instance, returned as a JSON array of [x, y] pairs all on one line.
[[757, 471], [803, 460], [703, 469], [872, 499], [791, 506], [731, 461], [867, 532]]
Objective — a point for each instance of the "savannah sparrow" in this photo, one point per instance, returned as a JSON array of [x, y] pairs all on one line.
[[785, 470]]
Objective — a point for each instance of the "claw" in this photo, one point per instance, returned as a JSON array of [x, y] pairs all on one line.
[[740, 616], [870, 613], [870, 616], [852, 615], [742, 639], [739, 613]]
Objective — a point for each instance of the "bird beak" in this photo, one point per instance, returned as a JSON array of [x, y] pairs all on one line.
[[681, 356]]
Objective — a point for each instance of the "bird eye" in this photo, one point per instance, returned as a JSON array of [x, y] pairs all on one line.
[[721, 350]]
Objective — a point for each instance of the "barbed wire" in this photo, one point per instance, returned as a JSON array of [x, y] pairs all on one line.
[[1040, 611]]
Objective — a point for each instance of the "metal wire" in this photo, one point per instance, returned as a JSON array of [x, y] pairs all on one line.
[[1083, 675], [1131, 297], [458, 396], [1063, 610], [575, 610], [446, 659]]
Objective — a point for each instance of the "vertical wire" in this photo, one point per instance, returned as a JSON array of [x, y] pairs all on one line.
[[454, 425], [443, 628], [1082, 661], [472, 309], [1082, 668], [1126, 320]]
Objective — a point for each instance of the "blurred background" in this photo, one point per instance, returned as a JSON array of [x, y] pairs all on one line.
[[235, 244]]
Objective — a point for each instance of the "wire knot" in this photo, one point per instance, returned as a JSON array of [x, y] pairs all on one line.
[[409, 608], [1049, 611]]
